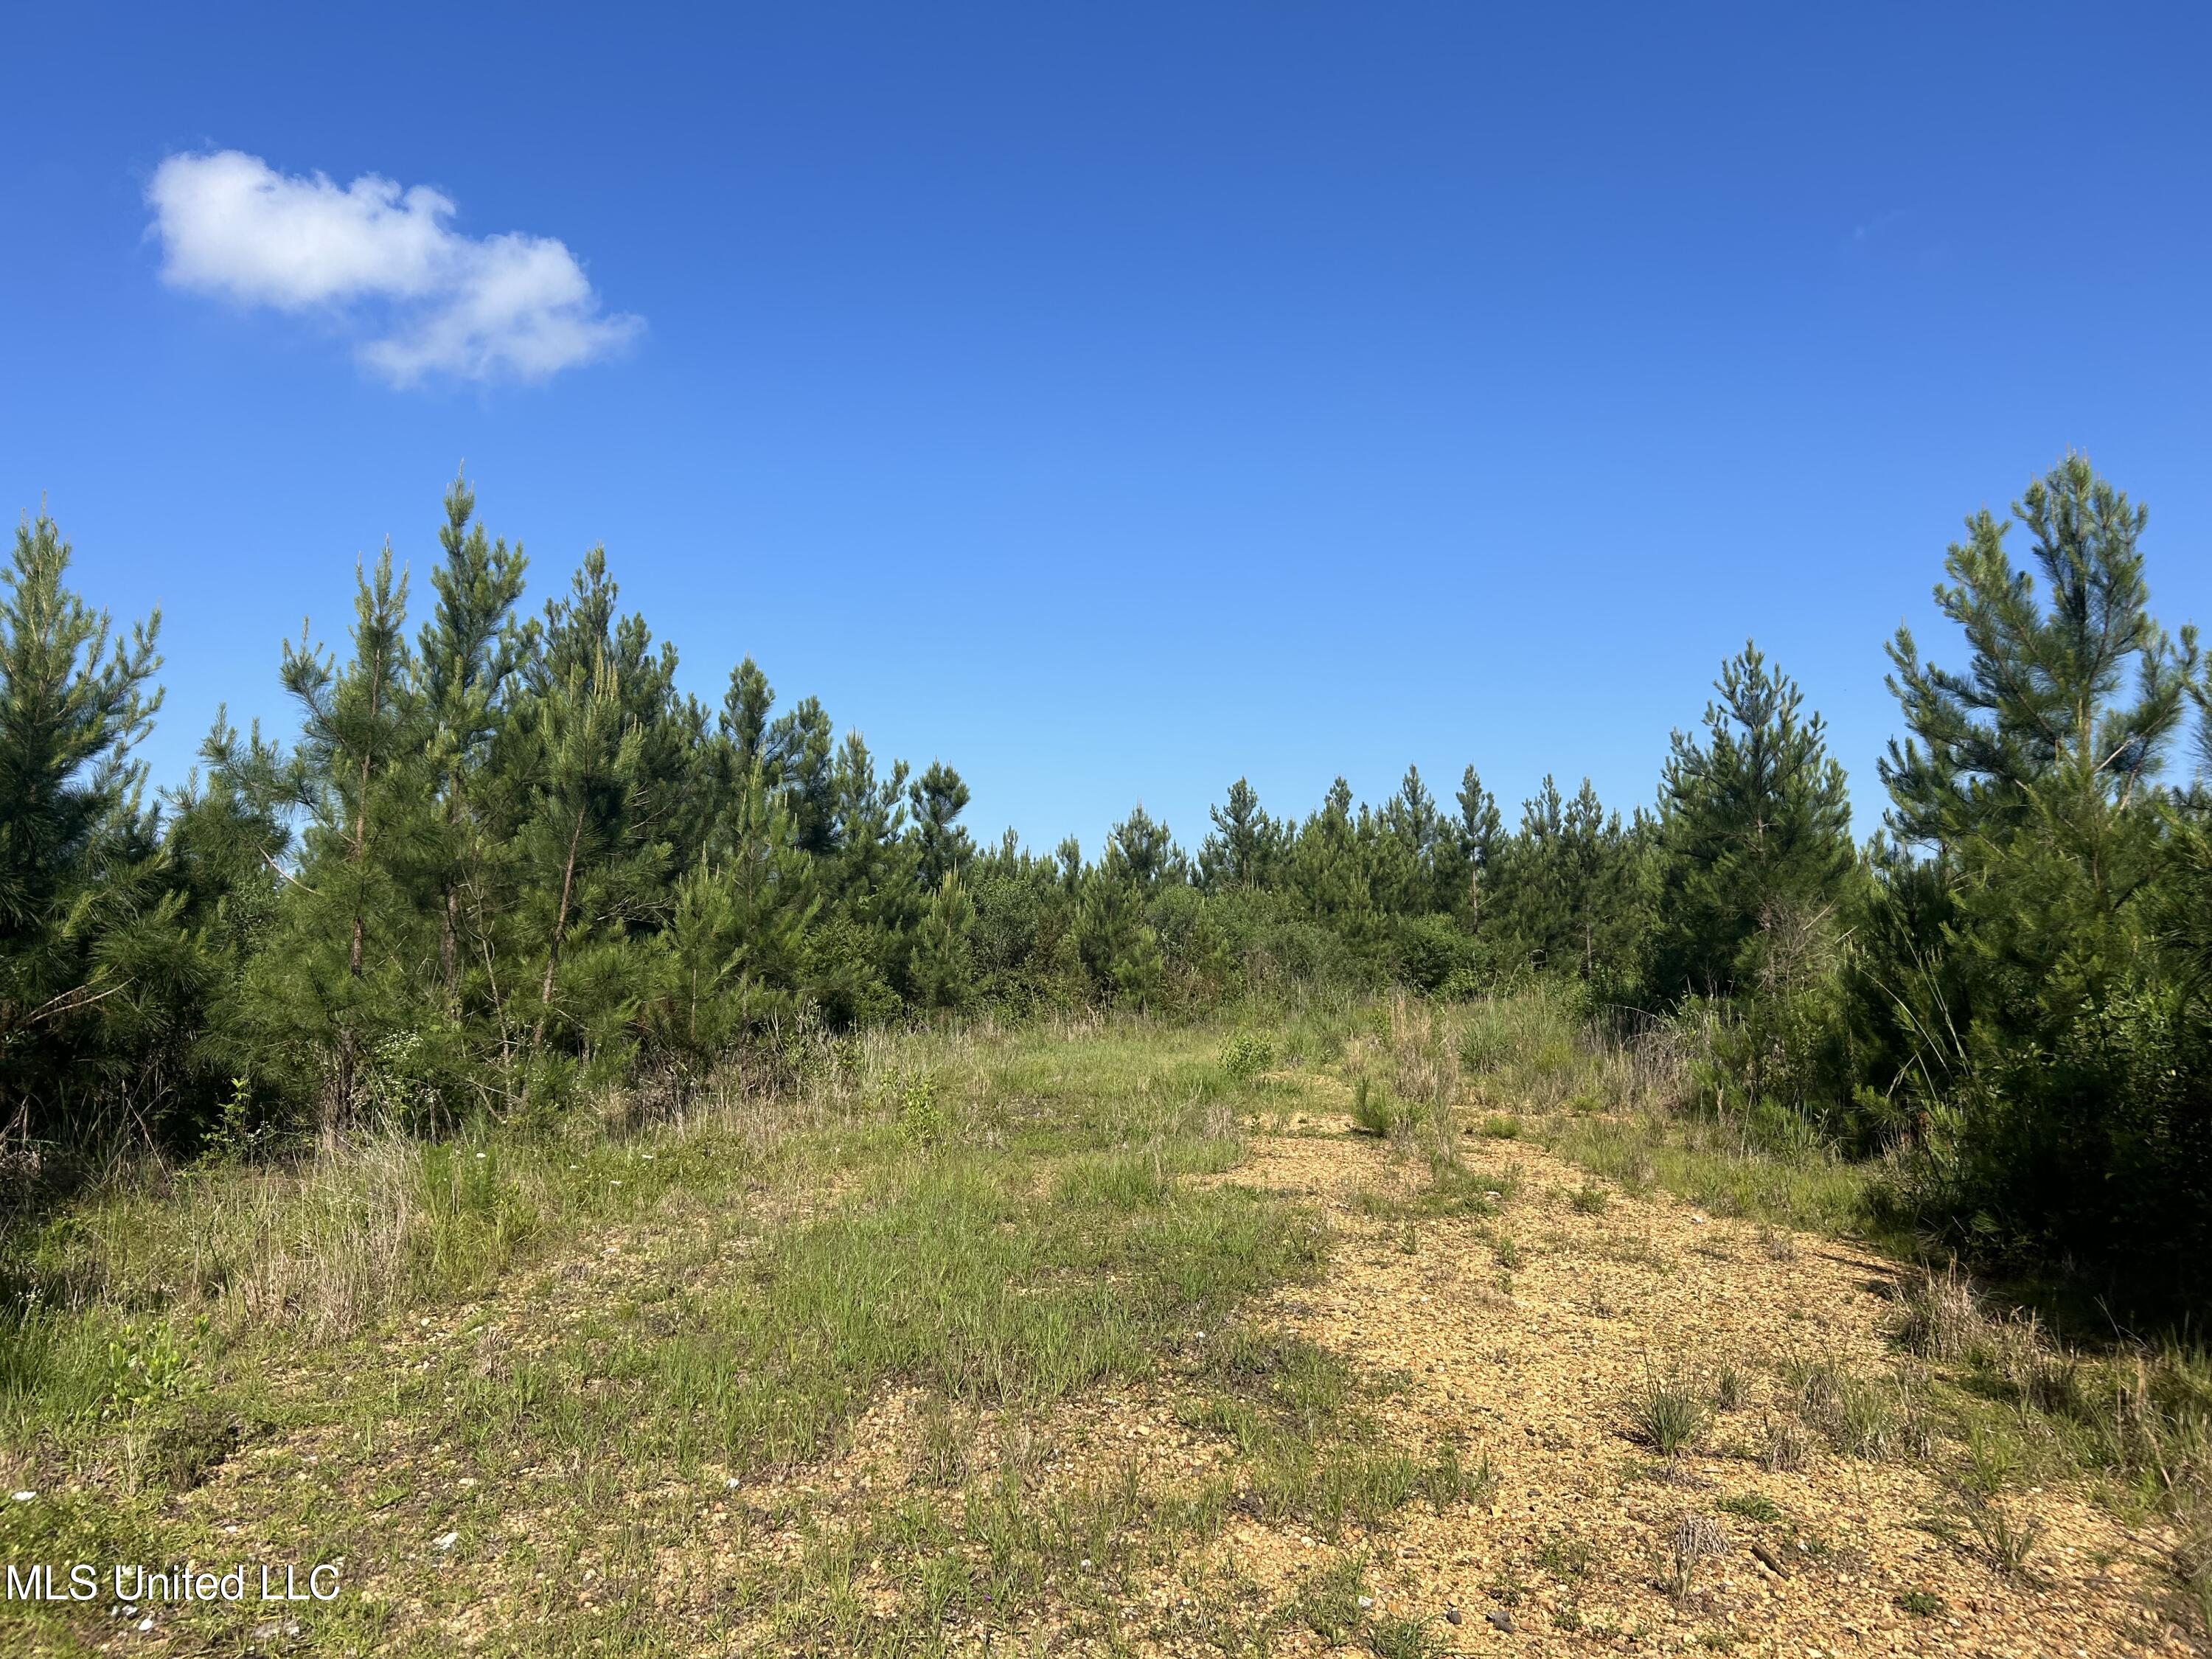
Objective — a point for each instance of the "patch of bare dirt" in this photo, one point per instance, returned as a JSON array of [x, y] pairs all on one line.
[[1533, 1363]]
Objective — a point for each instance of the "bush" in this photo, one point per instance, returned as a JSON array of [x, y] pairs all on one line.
[[1247, 1056]]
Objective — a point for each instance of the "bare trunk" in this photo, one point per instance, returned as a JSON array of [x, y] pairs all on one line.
[[361, 822], [560, 922], [449, 943]]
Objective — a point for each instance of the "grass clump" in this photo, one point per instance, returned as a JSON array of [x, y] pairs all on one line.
[[2007, 1536], [1454, 1189], [1376, 1111], [1723, 1170], [1395, 1638], [1330, 1603], [1939, 1315], [1751, 1506], [1731, 1388], [1665, 1413], [1786, 1451], [1860, 1418]]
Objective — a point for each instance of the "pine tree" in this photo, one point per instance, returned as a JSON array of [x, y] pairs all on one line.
[[1246, 845], [1412, 831], [735, 944], [588, 862], [1578, 879], [74, 853], [2055, 1084], [942, 846], [1141, 851], [1331, 871], [2038, 714], [1115, 934], [1755, 833], [858, 957], [344, 976], [745, 709], [469, 653], [944, 966], [1478, 839], [800, 753]]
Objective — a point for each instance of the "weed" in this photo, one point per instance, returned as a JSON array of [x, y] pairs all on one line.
[[1568, 1559], [1992, 1462], [185, 1451], [2191, 1566], [2006, 1537], [1393, 1637], [1695, 1539], [1923, 1604], [1501, 1127], [1858, 1418], [1939, 1315], [1785, 1450], [1731, 1389], [943, 1458], [1590, 1200], [1666, 1414], [1714, 1166], [1247, 1056], [1446, 1480], [1328, 1605], [1373, 1112], [920, 1119], [1751, 1506]]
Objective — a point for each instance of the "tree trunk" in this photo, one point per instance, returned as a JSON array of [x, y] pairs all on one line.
[[560, 922]]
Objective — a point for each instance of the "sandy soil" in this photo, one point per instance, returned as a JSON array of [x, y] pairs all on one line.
[[1533, 1366]]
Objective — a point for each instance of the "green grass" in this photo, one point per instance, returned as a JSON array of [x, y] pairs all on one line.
[[563, 1350], [1720, 1172], [1590, 1199], [1751, 1506]]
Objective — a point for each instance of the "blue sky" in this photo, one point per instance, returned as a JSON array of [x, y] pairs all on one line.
[[1113, 400]]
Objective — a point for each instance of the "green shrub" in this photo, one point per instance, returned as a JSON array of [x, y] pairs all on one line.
[[920, 1120], [1247, 1056]]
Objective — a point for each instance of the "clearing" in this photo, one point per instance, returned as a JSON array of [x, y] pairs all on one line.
[[1089, 1338]]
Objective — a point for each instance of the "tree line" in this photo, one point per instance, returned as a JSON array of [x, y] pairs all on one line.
[[502, 861]]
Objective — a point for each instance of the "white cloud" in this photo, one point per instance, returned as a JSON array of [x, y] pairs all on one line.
[[426, 299]]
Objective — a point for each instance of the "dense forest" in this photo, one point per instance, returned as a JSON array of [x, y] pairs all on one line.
[[503, 862]]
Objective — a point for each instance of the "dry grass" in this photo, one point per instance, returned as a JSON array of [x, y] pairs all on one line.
[[1693, 1539]]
